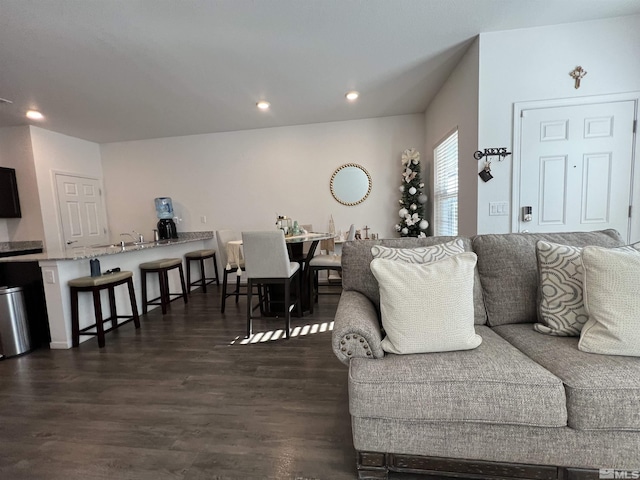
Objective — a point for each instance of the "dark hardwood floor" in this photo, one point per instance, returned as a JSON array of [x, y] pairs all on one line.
[[181, 398]]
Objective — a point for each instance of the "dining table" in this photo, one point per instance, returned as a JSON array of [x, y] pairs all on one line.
[[297, 253]]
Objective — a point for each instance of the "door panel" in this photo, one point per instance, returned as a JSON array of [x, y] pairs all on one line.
[[81, 210], [553, 202], [575, 167]]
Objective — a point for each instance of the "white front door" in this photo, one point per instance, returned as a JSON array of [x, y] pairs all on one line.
[[81, 210], [576, 167]]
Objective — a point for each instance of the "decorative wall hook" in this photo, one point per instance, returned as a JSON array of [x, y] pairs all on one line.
[[577, 74], [492, 152]]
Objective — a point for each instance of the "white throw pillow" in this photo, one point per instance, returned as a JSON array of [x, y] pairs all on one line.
[[612, 300], [428, 254], [427, 307], [560, 291]]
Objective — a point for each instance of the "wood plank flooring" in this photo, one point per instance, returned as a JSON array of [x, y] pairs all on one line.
[[181, 398]]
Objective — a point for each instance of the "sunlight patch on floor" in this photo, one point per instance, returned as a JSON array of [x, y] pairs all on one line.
[[271, 335]]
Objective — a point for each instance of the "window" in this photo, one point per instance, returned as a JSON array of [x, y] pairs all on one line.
[[445, 195]]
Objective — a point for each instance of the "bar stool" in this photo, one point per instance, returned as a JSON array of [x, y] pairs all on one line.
[[162, 267], [95, 285], [200, 256]]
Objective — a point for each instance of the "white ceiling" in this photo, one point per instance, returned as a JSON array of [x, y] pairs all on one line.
[[115, 70]]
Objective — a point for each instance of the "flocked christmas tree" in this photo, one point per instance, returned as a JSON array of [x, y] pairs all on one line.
[[412, 222]]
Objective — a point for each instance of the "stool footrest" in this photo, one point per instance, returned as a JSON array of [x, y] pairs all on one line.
[[107, 330]]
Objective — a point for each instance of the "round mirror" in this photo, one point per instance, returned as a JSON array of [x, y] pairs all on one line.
[[350, 184]]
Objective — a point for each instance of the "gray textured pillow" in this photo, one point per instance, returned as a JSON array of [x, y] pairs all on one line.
[[560, 292], [612, 300], [419, 254], [427, 307]]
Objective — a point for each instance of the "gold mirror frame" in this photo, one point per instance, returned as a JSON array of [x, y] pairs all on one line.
[[339, 195]]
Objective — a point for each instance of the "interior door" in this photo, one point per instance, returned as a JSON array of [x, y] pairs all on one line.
[[81, 210], [576, 167]]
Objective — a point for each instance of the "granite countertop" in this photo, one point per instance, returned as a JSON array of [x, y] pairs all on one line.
[[79, 253], [11, 247]]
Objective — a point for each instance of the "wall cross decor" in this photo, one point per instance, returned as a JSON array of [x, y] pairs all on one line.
[[577, 74]]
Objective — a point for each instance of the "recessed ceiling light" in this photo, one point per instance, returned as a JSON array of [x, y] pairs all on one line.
[[352, 95], [34, 115], [263, 105]]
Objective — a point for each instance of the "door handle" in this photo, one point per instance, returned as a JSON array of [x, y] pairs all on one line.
[[527, 213]]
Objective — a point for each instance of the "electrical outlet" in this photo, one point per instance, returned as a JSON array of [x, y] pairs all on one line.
[[49, 276], [203, 218]]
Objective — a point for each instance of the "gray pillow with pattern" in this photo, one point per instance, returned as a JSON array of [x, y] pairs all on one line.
[[561, 308], [561, 304], [429, 254]]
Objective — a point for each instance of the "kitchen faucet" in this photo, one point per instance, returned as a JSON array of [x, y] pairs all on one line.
[[139, 240]]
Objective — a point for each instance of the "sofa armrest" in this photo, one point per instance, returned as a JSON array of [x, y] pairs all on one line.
[[356, 329]]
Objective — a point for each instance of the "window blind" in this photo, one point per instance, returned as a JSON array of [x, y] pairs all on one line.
[[446, 186]]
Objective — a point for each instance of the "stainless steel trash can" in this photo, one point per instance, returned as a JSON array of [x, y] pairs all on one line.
[[14, 328]]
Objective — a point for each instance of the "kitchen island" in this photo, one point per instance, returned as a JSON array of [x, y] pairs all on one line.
[[58, 267]]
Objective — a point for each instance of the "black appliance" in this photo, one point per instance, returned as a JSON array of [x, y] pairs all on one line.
[[167, 229], [9, 201]]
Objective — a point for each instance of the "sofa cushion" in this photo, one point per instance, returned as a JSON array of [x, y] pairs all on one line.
[[494, 383], [612, 300], [427, 307], [357, 276], [603, 392], [509, 272]]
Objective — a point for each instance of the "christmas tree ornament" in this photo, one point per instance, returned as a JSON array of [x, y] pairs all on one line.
[[422, 198], [424, 225], [403, 212], [412, 191], [402, 188], [405, 231], [413, 206]]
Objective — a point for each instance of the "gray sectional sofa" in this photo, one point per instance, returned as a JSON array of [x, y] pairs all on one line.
[[521, 405]]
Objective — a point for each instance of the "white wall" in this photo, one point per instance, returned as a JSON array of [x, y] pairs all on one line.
[[534, 64], [240, 180], [57, 153], [456, 105], [15, 152]]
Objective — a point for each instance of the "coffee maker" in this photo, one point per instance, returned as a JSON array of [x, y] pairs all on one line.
[[164, 211]]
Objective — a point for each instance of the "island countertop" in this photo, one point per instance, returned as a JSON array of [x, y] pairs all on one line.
[[57, 268], [80, 253]]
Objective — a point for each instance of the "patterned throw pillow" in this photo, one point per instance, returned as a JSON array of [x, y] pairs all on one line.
[[612, 299], [419, 254], [427, 307], [561, 308]]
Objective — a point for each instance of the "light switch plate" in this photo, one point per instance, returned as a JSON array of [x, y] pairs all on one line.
[[498, 208]]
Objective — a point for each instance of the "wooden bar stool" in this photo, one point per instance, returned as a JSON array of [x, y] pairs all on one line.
[[200, 256], [95, 285], [162, 267]]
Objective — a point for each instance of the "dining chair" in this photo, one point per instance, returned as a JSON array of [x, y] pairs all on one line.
[[267, 264], [224, 237], [325, 262]]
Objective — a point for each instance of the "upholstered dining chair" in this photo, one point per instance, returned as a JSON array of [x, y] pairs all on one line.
[[325, 262], [224, 237], [267, 263]]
